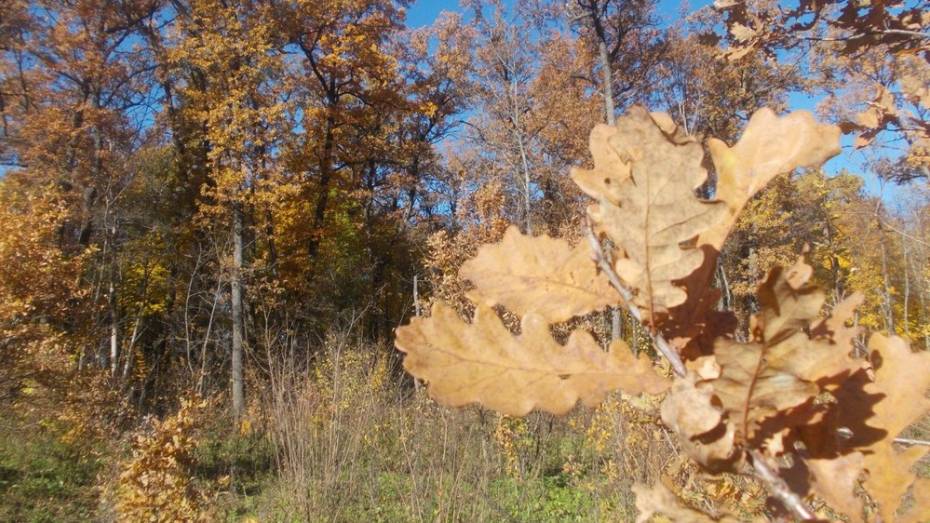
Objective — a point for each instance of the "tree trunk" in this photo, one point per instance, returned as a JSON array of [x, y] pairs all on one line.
[[238, 395], [322, 201], [607, 81], [907, 288], [607, 86], [527, 219], [114, 328]]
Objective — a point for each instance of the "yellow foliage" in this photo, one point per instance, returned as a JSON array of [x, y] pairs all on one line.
[[155, 483]]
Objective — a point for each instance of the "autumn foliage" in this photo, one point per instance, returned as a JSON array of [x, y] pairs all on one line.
[[585, 215]]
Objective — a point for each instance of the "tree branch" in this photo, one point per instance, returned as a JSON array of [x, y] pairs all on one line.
[[779, 488], [627, 296], [909, 441]]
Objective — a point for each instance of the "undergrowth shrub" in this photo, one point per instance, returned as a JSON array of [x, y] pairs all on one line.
[[155, 484]]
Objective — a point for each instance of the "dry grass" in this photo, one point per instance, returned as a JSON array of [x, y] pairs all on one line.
[[354, 443]]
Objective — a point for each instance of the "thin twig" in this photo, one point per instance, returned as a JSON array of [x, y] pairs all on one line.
[[909, 441], [627, 296], [779, 488], [878, 32]]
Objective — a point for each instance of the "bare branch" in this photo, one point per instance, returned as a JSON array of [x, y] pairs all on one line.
[[779, 488], [909, 441], [661, 344]]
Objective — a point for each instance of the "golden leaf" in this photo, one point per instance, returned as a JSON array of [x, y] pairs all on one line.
[[484, 363], [769, 146], [650, 212], [538, 274]]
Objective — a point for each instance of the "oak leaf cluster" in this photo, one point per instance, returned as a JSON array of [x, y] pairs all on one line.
[[799, 400]]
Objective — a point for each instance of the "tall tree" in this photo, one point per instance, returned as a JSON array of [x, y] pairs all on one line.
[[231, 44]]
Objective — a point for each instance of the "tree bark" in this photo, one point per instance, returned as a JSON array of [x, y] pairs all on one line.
[[322, 201], [607, 86], [607, 80], [238, 394], [114, 328]]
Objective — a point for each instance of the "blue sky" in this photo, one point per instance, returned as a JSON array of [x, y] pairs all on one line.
[[424, 12]]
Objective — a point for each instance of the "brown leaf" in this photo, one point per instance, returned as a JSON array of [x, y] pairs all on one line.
[[758, 382], [781, 370], [835, 326], [702, 432], [919, 512], [903, 377], [610, 171], [914, 79], [674, 132], [770, 145], [484, 363], [538, 274], [741, 33], [835, 480], [649, 213], [659, 499], [693, 326]]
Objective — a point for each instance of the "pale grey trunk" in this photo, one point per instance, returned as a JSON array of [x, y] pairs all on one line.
[[238, 395], [114, 329], [130, 350], [528, 220], [887, 306], [517, 126]]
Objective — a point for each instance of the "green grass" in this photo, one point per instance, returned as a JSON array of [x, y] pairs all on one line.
[[43, 479]]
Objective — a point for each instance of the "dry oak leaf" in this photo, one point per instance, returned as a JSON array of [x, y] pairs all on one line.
[[781, 369], [770, 145], [688, 410], [835, 480], [903, 377], [659, 499], [919, 512], [484, 363], [676, 133], [914, 79], [606, 179], [653, 211], [538, 274], [835, 326]]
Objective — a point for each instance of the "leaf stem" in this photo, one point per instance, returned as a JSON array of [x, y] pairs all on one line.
[[779, 488], [627, 296]]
